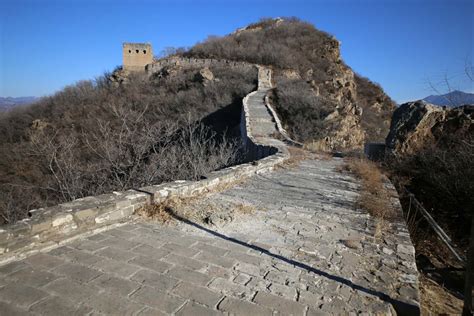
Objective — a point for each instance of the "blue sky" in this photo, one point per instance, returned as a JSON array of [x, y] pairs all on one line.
[[401, 44]]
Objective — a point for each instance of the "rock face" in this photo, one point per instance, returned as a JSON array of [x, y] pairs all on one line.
[[417, 124]]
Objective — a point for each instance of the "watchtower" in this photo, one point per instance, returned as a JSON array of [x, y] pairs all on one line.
[[136, 56]]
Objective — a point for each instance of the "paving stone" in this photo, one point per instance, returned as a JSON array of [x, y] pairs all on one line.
[[116, 254], [12, 267], [206, 256], [156, 280], [151, 263], [245, 258], [82, 257], [33, 277], [179, 249], [280, 304], [148, 311], [118, 268], [229, 288], [115, 285], [242, 278], [191, 308], [98, 237], [21, 295], [217, 251], [60, 251], [149, 251], [119, 243], [109, 304], [87, 245], [56, 305], [238, 307], [284, 291], [216, 271], [44, 260], [10, 310], [186, 262], [157, 299], [190, 276], [198, 294], [77, 272], [71, 290], [249, 269]]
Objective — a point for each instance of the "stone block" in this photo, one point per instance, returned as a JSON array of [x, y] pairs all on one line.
[[21, 295], [191, 308], [238, 307], [77, 272], [159, 300], [198, 294], [151, 263], [159, 281], [280, 304], [189, 276], [59, 306]]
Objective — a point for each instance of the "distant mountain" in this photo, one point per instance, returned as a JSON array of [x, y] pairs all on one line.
[[454, 98], [9, 102]]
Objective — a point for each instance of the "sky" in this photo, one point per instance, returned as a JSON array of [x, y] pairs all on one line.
[[404, 45]]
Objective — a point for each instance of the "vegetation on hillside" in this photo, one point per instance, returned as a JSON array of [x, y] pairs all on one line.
[[291, 44], [94, 137]]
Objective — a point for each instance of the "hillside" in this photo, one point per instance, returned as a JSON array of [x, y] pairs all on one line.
[[319, 97], [127, 130], [453, 98]]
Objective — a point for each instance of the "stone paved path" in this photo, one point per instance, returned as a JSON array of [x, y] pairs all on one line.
[[292, 245]]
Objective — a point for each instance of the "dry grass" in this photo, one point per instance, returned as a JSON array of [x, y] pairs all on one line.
[[374, 197], [157, 212], [436, 300], [296, 156]]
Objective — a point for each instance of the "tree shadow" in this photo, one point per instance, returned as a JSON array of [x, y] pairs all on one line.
[[402, 308]]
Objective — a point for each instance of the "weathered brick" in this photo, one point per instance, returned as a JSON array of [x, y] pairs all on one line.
[[179, 249], [225, 262], [71, 290], [238, 307], [151, 263], [183, 261], [156, 280], [118, 268], [59, 306], [33, 277], [229, 288], [190, 276], [280, 304], [194, 309], [116, 254], [77, 272], [10, 310], [12, 267], [109, 304], [21, 295], [116, 285], [157, 299], [198, 294]]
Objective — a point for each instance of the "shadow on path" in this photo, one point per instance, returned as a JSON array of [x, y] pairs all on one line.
[[402, 308]]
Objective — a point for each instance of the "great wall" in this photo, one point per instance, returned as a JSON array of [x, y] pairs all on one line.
[[304, 249]]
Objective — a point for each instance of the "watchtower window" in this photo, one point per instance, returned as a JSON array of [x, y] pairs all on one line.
[[129, 51], [144, 51], [137, 51]]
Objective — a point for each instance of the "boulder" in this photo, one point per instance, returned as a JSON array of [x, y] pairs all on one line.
[[418, 124]]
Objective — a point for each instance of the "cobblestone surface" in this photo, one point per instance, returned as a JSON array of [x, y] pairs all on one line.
[[289, 255]]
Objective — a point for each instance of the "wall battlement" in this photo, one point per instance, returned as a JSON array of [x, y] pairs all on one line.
[[158, 65]]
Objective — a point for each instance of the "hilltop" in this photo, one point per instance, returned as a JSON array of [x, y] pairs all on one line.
[[453, 98]]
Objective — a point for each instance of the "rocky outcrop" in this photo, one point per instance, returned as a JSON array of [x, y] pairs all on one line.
[[418, 124]]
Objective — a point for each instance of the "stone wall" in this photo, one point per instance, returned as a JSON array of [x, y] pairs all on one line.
[[158, 65], [50, 227]]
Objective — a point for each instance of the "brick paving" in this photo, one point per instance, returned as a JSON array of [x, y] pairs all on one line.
[[289, 256]]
